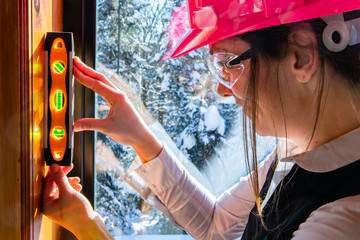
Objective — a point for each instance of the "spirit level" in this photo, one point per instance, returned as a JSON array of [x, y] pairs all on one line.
[[58, 99]]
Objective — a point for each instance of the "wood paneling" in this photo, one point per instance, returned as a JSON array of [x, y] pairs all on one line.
[[46, 17], [10, 120], [22, 30]]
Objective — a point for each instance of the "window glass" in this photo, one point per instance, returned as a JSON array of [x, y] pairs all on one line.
[[178, 100]]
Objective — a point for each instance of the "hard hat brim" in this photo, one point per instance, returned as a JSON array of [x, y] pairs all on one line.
[[196, 38]]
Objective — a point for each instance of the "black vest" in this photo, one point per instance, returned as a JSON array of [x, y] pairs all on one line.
[[302, 193]]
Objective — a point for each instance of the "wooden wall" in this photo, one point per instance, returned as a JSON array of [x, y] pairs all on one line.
[[23, 25], [10, 120], [46, 17]]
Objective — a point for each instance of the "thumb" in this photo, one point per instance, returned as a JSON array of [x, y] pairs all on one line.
[[59, 177], [89, 124]]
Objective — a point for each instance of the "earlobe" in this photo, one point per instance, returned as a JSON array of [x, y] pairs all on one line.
[[305, 52]]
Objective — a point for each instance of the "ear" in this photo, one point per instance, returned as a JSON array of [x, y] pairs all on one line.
[[304, 52]]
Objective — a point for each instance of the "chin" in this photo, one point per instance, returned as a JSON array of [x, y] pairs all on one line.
[[239, 101], [264, 131], [261, 132]]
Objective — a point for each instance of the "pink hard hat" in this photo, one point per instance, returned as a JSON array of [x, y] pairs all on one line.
[[214, 20]]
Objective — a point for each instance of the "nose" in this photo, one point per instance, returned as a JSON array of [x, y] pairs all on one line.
[[225, 73], [224, 91]]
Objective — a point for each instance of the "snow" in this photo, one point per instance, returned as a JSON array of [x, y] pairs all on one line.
[[191, 108], [187, 139], [165, 83], [195, 75], [213, 120]]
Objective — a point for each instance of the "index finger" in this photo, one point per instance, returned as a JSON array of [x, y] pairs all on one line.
[[92, 73], [97, 86]]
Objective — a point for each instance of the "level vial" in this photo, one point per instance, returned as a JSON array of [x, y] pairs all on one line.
[[59, 67], [59, 100], [58, 132]]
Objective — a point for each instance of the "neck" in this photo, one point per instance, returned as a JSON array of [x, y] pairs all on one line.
[[337, 116]]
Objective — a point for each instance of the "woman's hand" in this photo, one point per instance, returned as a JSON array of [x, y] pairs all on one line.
[[65, 205], [123, 123]]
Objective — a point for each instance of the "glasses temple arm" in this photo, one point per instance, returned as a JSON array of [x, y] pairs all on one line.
[[246, 55]]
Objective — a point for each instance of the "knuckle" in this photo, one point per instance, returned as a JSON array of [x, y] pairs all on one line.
[[102, 77], [120, 96]]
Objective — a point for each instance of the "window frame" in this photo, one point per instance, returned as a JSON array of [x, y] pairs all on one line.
[[85, 49]]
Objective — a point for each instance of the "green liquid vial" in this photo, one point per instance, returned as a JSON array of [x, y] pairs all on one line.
[[59, 100], [59, 67], [59, 132]]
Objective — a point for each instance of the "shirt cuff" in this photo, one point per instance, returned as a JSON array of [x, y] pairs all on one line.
[[135, 181], [156, 175]]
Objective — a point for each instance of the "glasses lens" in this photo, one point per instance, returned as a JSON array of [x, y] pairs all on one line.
[[226, 76]]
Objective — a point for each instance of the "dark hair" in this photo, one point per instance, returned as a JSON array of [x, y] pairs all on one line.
[[272, 46]]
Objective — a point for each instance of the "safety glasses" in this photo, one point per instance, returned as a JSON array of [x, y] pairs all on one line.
[[227, 68]]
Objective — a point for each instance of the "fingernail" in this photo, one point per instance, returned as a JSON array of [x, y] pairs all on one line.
[[76, 127], [54, 168]]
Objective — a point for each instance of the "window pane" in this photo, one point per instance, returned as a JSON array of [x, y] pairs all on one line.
[[178, 100]]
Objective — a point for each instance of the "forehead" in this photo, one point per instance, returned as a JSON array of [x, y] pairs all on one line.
[[231, 45]]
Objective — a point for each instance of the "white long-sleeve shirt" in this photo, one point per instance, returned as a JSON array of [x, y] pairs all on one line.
[[165, 184]]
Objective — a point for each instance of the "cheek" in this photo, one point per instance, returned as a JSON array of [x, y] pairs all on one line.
[[267, 101], [268, 86], [238, 91], [240, 88], [272, 105]]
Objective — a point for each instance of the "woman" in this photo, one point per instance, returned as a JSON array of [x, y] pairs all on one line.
[[297, 77]]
